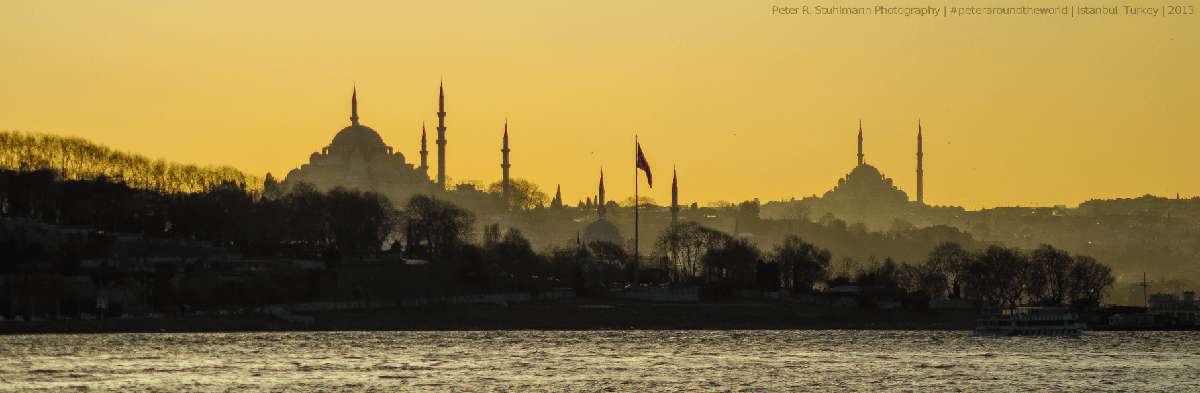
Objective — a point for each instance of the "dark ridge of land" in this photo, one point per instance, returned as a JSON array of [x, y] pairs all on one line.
[[194, 324], [579, 314], [598, 314]]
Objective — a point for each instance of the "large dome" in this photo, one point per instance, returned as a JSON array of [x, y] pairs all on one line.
[[357, 135], [603, 230], [865, 173], [866, 183]]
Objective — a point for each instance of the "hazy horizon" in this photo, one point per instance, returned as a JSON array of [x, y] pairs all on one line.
[[1015, 109]]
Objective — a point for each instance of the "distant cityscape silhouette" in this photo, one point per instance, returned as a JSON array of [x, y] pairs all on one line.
[[358, 208]]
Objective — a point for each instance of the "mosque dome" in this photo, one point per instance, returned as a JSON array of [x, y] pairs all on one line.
[[865, 184], [603, 230], [357, 157], [357, 135], [865, 173]]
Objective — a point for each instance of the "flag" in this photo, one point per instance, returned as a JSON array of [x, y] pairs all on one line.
[[643, 165]]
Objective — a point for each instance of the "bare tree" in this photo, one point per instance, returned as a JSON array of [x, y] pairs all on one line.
[[947, 260], [75, 158], [730, 261], [683, 246], [802, 263], [436, 226], [997, 275], [307, 217], [1049, 274], [359, 221], [1090, 279]]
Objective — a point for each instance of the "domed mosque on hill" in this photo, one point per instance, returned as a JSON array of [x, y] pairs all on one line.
[[358, 158], [602, 229], [865, 194], [865, 184]]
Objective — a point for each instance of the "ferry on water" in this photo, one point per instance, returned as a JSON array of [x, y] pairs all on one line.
[[1031, 321]]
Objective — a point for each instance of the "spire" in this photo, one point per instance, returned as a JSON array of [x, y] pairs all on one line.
[[557, 202], [600, 198], [441, 141], [920, 170], [354, 107], [674, 197], [860, 155], [424, 153], [507, 189]]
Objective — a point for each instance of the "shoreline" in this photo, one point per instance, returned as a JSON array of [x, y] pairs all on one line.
[[575, 314], [587, 314]]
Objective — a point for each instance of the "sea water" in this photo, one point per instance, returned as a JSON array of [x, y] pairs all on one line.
[[634, 360]]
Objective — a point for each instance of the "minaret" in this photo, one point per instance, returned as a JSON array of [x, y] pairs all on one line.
[[505, 165], [860, 155], [674, 197], [600, 198], [354, 107], [441, 141], [920, 171], [424, 153]]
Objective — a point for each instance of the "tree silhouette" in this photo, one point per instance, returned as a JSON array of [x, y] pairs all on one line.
[[307, 217], [75, 158], [359, 221], [522, 193], [1090, 279], [946, 262], [803, 263], [997, 275], [605, 250], [729, 261], [436, 226], [1049, 275], [682, 247]]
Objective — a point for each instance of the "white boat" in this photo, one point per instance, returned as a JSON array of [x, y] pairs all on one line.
[[1030, 321]]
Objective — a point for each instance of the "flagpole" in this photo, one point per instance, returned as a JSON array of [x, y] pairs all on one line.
[[636, 262]]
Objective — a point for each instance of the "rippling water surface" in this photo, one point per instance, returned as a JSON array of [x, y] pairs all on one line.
[[600, 361]]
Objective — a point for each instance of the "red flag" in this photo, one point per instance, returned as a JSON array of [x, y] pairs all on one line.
[[643, 165]]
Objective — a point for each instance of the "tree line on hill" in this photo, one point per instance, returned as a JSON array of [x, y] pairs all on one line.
[[690, 253], [74, 158], [228, 214]]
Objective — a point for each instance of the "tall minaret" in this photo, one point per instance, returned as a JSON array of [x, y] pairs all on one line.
[[860, 155], [354, 107], [600, 198], [920, 171], [424, 153], [674, 197], [441, 141], [505, 165]]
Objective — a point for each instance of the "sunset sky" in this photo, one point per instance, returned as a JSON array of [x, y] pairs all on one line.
[[1030, 110]]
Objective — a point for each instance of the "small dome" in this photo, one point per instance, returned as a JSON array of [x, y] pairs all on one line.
[[293, 175], [358, 135], [603, 230]]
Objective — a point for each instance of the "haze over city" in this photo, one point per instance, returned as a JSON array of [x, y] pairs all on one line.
[[376, 195], [1030, 111]]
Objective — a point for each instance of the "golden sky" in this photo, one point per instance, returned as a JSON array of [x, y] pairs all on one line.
[[1016, 109]]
